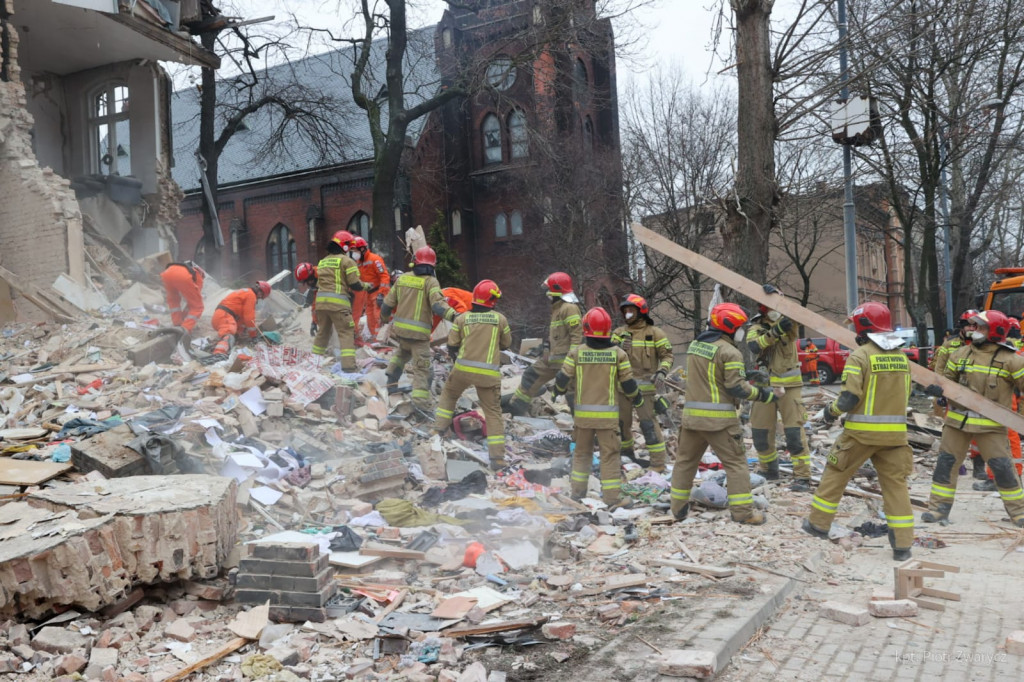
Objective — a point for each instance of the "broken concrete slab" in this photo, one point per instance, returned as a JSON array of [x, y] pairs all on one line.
[[108, 454]]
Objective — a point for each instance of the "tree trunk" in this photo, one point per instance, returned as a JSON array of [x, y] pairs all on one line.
[[207, 148], [750, 214]]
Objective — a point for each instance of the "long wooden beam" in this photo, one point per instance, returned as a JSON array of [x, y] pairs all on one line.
[[794, 311]]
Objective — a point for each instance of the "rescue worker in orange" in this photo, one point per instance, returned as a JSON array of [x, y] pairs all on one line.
[[460, 301], [236, 316], [564, 335], [475, 344], [305, 273], [650, 355], [183, 287], [715, 385], [812, 362], [374, 274], [600, 370], [413, 298], [993, 369], [876, 388], [337, 280]]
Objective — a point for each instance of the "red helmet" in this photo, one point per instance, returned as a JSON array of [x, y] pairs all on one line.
[[304, 272], [597, 323], [871, 316], [638, 302], [997, 323], [1014, 323], [425, 256], [343, 238], [727, 317], [486, 293], [965, 319], [359, 243], [558, 283], [263, 289]]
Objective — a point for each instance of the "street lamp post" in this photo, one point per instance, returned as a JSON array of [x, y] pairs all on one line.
[[849, 210], [947, 280]]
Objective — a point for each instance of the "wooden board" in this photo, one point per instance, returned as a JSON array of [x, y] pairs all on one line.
[[230, 647], [713, 571], [796, 312], [28, 472]]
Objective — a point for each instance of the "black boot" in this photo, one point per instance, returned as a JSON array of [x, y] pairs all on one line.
[[940, 515], [682, 513], [987, 486], [771, 470], [392, 384], [898, 554], [979, 469], [801, 485], [813, 530]]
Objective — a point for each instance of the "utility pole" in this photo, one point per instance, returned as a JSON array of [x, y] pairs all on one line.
[[947, 280], [849, 210]]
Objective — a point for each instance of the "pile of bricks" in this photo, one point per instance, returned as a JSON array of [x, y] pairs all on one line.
[[382, 472], [294, 577]]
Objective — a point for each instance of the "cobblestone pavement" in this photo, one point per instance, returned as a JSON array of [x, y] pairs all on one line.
[[964, 642]]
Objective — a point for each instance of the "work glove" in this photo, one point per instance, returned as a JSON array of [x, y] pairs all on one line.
[[783, 325], [661, 405], [273, 338], [941, 401], [638, 399], [313, 328], [829, 415], [556, 392], [758, 376], [659, 380], [626, 343], [934, 390], [765, 395], [770, 289], [450, 314], [453, 352]]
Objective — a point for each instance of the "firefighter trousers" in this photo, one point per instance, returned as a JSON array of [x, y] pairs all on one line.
[[366, 303], [535, 377], [648, 426], [583, 458], [490, 403], [728, 446], [341, 321], [418, 351], [184, 298], [995, 451], [763, 420], [894, 463]]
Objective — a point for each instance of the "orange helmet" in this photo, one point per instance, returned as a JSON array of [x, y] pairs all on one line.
[[343, 238], [997, 323], [727, 317], [359, 243], [486, 293], [263, 289], [425, 256], [558, 283], [597, 323], [871, 316], [304, 272], [638, 302]]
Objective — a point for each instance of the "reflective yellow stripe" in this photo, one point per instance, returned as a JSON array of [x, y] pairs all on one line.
[[716, 414], [611, 483], [656, 447], [420, 393], [1012, 495], [943, 491], [824, 505], [967, 420], [743, 498], [596, 415], [768, 458], [626, 443], [900, 521], [580, 475], [680, 494]]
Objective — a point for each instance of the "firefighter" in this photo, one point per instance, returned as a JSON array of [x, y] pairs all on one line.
[[772, 340], [812, 362], [413, 298], [715, 385], [337, 279], [650, 355], [183, 286], [305, 273], [876, 388], [236, 316], [938, 365], [993, 369], [475, 344], [600, 369], [374, 275], [1013, 338], [564, 335]]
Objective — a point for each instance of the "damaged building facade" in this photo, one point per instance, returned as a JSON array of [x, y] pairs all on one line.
[[85, 149]]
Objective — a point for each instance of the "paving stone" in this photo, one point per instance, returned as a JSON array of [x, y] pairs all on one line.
[[897, 608], [845, 613], [688, 663]]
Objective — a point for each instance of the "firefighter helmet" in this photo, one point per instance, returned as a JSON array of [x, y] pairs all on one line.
[[304, 272], [727, 317], [262, 289], [996, 322], [425, 256], [359, 243], [871, 316], [486, 293], [965, 318], [597, 323], [1014, 324], [343, 238], [558, 283], [638, 302]]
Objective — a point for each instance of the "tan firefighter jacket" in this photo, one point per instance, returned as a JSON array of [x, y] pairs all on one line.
[[336, 275], [566, 330], [991, 370], [715, 383], [876, 387], [776, 352], [414, 299], [648, 349], [599, 374], [480, 338], [942, 353]]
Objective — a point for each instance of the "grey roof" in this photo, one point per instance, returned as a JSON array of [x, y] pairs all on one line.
[[328, 74]]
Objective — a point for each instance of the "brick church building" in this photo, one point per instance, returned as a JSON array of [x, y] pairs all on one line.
[[521, 178]]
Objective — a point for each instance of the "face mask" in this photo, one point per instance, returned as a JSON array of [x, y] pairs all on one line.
[[774, 315], [978, 337], [629, 315], [740, 334], [356, 256]]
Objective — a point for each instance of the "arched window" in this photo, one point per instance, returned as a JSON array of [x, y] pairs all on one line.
[[580, 81], [515, 223], [500, 226], [456, 223], [588, 135], [446, 37], [492, 139], [517, 135], [538, 15], [281, 253], [359, 226], [110, 130]]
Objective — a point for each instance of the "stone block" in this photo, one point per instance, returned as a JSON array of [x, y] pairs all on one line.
[[180, 630], [883, 594], [1015, 643], [297, 614], [69, 664], [285, 598], [845, 613], [897, 608], [307, 552], [99, 659], [58, 640], [285, 655], [212, 591], [688, 663], [559, 630], [289, 568], [285, 582], [107, 453]]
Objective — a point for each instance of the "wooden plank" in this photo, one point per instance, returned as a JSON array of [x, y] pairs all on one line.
[[230, 647], [713, 571], [392, 552], [614, 583], [796, 312], [948, 568], [28, 472], [495, 627]]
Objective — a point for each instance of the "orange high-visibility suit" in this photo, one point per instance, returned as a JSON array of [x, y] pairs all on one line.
[[183, 286], [235, 315], [459, 299], [374, 274]]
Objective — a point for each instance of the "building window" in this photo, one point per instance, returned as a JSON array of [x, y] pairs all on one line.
[[359, 226], [492, 139], [588, 135], [515, 223], [110, 130], [501, 73], [456, 223], [446, 37], [281, 253], [580, 82], [500, 226], [517, 135], [538, 15]]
